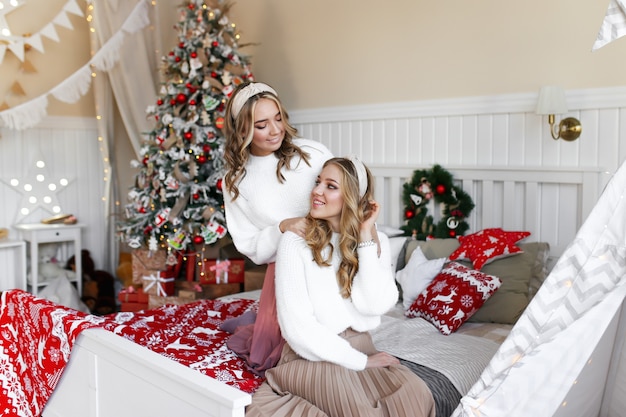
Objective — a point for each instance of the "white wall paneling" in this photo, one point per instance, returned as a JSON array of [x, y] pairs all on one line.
[[71, 149]]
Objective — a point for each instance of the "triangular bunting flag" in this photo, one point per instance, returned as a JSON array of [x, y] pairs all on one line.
[[50, 32], [63, 20], [72, 7], [28, 68], [17, 48], [35, 42], [4, 106], [17, 89]]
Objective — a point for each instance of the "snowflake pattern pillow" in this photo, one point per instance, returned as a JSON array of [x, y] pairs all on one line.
[[455, 294], [487, 245]]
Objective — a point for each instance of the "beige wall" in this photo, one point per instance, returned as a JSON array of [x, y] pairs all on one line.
[[58, 61], [327, 53], [332, 53]]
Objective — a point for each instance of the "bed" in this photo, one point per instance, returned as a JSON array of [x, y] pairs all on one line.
[[112, 372]]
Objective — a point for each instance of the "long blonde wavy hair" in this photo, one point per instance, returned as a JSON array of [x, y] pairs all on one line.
[[239, 132], [354, 211]]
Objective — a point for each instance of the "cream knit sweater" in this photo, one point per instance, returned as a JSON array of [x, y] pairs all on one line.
[[312, 313], [263, 202]]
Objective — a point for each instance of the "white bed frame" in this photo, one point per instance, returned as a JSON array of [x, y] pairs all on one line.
[[108, 375]]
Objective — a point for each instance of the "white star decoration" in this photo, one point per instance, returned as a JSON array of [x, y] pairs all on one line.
[[39, 190]]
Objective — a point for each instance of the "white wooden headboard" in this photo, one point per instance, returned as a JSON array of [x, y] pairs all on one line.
[[551, 203]]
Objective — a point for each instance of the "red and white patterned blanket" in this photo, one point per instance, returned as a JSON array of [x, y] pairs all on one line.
[[36, 338]]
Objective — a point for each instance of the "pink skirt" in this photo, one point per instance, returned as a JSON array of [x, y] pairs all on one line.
[[260, 344]]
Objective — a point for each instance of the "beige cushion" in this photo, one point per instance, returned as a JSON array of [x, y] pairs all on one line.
[[521, 276]]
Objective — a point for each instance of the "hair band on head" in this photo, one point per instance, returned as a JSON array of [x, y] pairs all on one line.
[[244, 95], [361, 174]]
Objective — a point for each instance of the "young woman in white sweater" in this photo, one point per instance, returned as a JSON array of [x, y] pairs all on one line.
[[269, 174], [332, 286]]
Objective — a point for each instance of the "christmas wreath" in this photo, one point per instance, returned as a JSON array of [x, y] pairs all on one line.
[[435, 184]]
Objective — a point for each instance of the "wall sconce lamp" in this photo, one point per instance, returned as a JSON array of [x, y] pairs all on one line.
[[552, 101]]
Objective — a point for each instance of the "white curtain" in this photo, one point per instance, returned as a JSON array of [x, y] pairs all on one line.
[[130, 84], [555, 339]]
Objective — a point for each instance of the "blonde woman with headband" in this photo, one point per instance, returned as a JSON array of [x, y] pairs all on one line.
[[332, 286], [269, 174]]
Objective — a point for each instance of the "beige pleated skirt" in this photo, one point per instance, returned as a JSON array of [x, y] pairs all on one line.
[[299, 387]]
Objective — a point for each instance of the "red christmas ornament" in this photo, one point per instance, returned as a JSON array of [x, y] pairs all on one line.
[[215, 44], [145, 160], [192, 102], [191, 6], [188, 135], [201, 159], [198, 240], [159, 102], [452, 233], [409, 214], [177, 59], [441, 189], [196, 196], [219, 184], [181, 45], [213, 74], [142, 210], [171, 53], [188, 85], [219, 122], [194, 54], [206, 148], [147, 230], [181, 98], [173, 102]]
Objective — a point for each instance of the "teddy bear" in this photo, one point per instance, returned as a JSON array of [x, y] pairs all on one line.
[[48, 266], [98, 286]]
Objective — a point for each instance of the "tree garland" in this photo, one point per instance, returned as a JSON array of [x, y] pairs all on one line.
[[437, 184]]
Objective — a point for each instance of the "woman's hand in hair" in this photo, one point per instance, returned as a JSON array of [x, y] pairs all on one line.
[[369, 224], [381, 360], [296, 225]]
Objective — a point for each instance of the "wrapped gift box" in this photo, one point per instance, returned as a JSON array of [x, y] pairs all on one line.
[[156, 301], [159, 283], [133, 295], [220, 271], [194, 291], [144, 262], [132, 307]]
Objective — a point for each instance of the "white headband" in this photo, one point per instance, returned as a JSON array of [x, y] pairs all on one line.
[[244, 95], [361, 174]]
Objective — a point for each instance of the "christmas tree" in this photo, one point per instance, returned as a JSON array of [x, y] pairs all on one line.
[[176, 201]]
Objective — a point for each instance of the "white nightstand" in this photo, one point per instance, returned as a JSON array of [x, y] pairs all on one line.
[[37, 233], [17, 274]]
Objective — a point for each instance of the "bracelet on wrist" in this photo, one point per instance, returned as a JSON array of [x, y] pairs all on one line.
[[366, 243]]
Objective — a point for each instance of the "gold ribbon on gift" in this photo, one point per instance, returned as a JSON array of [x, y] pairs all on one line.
[[159, 281]]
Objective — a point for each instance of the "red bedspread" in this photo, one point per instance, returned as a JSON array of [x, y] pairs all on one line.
[[36, 337]]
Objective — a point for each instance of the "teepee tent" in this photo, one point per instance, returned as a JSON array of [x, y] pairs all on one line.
[[564, 355]]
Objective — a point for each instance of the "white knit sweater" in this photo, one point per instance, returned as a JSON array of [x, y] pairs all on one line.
[[311, 311], [263, 202]]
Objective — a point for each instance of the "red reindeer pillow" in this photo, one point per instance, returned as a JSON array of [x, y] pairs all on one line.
[[455, 294]]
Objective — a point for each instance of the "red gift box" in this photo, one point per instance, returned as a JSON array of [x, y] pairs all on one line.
[[225, 271], [159, 283], [133, 295], [133, 307]]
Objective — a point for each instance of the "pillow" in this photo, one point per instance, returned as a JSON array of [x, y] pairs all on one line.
[[455, 294], [416, 275], [516, 273], [389, 230], [395, 247], [521, 277], [487, 245]]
